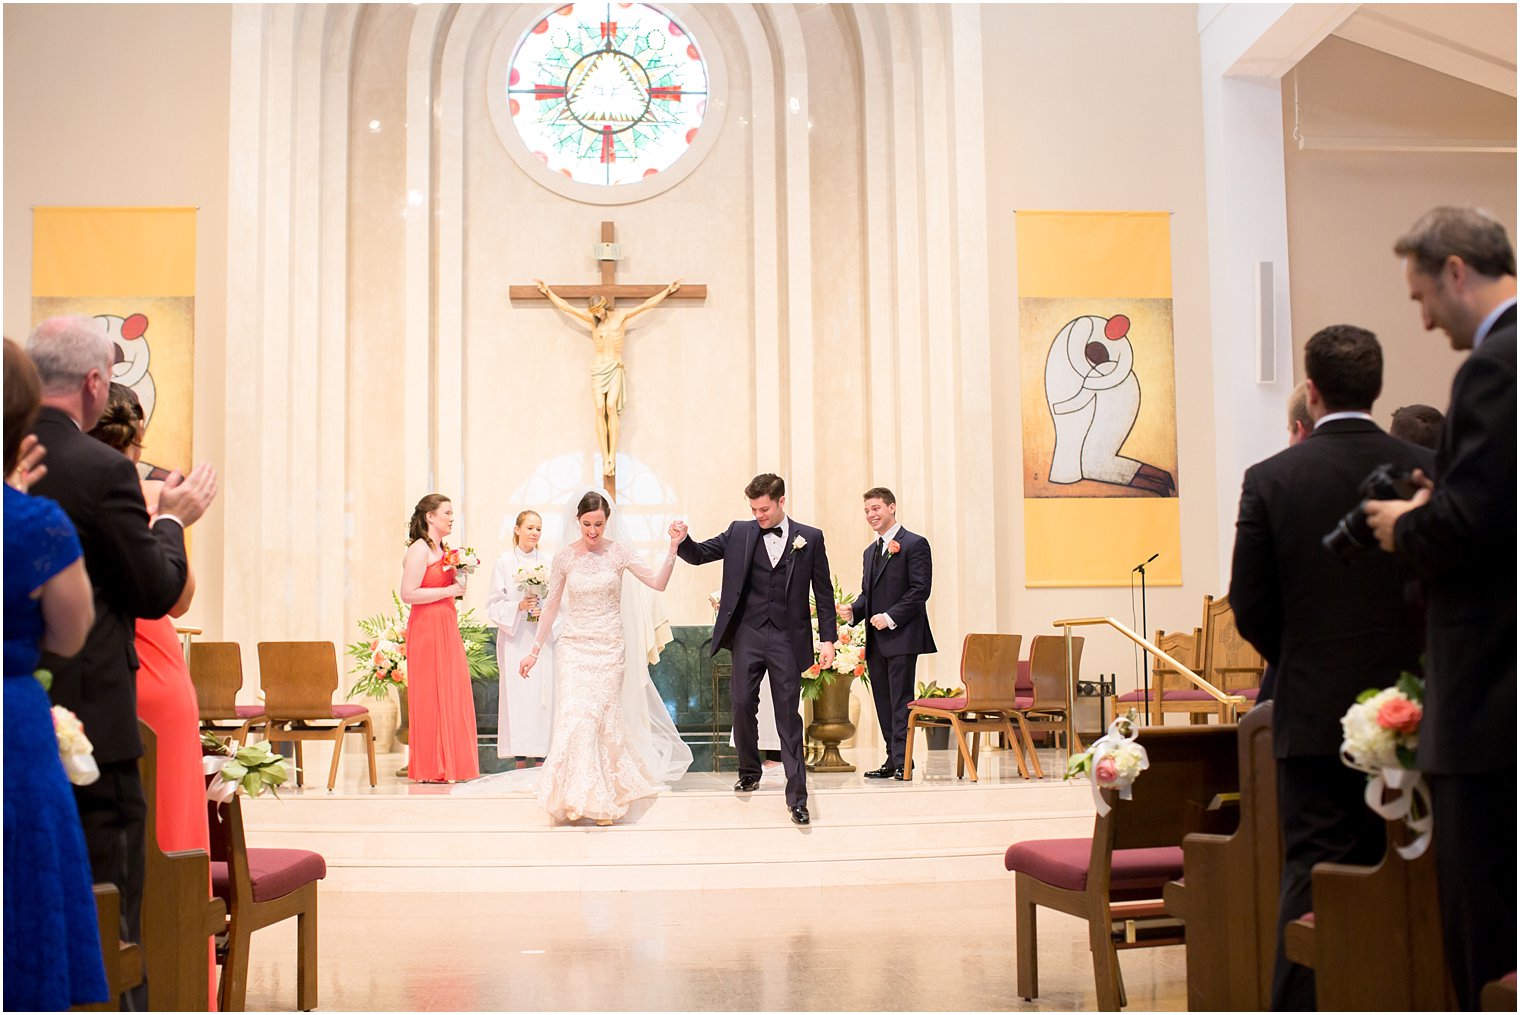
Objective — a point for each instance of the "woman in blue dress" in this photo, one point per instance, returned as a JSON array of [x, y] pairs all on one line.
[[52, 941]]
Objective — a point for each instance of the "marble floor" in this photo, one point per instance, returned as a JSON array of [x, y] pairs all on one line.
[[942, 947]]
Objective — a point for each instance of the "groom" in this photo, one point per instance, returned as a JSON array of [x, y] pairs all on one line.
[[768, 566]]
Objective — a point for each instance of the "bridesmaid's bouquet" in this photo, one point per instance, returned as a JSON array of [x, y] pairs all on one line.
[[463, 559], [533, 580], [74, 748]]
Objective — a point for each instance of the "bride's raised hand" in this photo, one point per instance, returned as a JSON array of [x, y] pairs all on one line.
[[678, 530]]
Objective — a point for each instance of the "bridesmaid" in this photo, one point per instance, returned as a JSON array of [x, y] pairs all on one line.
[[442, 709], [166, 698], [527, 706]]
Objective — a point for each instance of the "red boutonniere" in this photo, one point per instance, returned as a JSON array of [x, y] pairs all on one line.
[[894, 547]]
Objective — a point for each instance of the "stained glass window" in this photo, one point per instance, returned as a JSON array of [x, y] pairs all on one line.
[[607, 94]]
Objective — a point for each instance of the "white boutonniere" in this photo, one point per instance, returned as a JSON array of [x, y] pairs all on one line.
[[798, 544]]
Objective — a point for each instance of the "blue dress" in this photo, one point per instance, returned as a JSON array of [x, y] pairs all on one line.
[[52, 940]]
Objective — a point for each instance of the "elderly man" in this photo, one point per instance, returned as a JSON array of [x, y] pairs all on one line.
[[137, 566], [1458, 535]]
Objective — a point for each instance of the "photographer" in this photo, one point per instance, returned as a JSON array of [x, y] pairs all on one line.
[[1330, 624], [1458, 535]]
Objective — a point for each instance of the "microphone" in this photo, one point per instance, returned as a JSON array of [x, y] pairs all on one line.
[[1147, 561]]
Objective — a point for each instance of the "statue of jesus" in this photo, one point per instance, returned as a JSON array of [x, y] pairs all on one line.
[[609, 390]]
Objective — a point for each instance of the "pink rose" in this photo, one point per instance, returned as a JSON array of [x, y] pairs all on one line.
[[1106, 771], [1400, 715]]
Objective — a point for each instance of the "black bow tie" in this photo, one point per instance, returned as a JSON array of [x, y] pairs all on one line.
[[772, 532]]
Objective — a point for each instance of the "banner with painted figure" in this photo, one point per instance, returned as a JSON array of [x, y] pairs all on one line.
[[133, 270], [1098, 398]]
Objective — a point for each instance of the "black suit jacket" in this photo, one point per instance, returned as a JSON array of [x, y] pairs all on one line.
[[806, 567], [899, 588], [1330, 629], [1462, 544], [135, 571]]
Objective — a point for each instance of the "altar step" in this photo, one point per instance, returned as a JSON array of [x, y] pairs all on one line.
[[404, 838]]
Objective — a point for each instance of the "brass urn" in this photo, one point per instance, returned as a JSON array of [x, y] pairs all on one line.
[[831, 724]]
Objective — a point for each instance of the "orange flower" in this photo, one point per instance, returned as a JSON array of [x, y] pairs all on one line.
[[814, 670], [1400, 715], [893, 547], [860, 671]]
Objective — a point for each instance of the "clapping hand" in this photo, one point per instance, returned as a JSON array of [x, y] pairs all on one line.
[[188, 497], [29, 467]]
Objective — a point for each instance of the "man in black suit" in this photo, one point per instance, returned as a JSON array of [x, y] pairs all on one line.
[[1329, 628], [137, 567], [1458, 536], [763, 618], [896, 574]]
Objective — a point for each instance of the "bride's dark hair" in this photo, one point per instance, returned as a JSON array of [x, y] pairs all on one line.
[[418, 527], [593, 501]]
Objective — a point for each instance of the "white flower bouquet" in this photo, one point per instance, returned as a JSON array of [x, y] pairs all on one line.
[[1379, 736], [74, 748], [533, 580], [464, 559], [1113, 761]]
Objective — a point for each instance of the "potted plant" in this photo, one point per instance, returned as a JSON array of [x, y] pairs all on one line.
[[829, 693], [937, 736]]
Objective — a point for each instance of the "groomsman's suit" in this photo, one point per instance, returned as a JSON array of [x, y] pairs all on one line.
[[896, 583], [763, 619]]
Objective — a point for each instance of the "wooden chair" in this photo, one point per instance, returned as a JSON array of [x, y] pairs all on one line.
[[123, 960], [989, 673], [179, 914], [1176, 693], [1374, 939], [216, 668], [299, 679], [1228, 661], [1115, 879], [262, 887], [1228, 897], [1050, 703]]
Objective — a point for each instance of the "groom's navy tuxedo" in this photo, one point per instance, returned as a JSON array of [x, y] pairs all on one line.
[[763, 619]]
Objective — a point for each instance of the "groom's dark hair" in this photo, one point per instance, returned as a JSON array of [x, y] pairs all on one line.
[[880, 493], [767, 484]]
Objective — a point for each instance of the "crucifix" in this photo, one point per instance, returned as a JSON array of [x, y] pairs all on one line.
[[608, 328]]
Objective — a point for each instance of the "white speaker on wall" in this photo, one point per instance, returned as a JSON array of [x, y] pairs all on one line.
[[1266, 325]]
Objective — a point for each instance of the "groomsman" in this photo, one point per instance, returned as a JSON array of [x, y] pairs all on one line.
[[896, 574]]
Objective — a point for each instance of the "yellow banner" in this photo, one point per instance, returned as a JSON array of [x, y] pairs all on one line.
[[1098, 398], [133, 269]]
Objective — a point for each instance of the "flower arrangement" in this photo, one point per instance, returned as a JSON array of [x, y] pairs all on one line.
[[849, 649], [1113, 761], [533, 580], [74, 748], [250, 769], [380, 654], [462, 559], [1379, 736]]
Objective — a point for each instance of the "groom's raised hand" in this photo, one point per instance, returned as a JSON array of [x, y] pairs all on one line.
[[678, 531]]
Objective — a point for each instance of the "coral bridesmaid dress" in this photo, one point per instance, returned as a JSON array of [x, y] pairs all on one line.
[[442, 709], [166, 701]]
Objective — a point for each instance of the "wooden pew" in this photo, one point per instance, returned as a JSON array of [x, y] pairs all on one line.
[[179, 915], [1229, 892], [1374, 938], [123, 960]]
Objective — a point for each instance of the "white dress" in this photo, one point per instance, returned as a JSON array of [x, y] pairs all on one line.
[[526, 707], [593, 770]]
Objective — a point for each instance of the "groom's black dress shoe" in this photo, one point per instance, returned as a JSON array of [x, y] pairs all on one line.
[[747, 784], [884, 772], [800, 815]]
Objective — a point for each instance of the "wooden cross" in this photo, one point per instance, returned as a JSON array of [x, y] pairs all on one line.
[[609, 286]]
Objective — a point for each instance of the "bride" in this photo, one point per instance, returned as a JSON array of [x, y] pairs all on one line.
[[613, 741]]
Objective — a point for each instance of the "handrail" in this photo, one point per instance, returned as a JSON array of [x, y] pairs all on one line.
[[1199, 682]]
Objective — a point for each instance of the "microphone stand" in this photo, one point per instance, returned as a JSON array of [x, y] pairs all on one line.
[[1145, 671]]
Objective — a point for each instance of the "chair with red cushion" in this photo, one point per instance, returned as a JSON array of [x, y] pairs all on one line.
[[1115, 879], [216, 669], [299, 679], [989, 698], [1227, 660], [262, 887], [1051, 685]]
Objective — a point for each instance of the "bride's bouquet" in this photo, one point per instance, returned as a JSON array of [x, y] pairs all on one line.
[[533, 580], [463, 559]]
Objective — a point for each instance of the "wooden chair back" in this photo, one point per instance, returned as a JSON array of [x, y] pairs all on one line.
[[1229, 662], [178, 912], [1186, 649], [1047, 671], [123, 960], [299, 678], [1229, 896], [990, 671], [216, 669], [1191, 768]]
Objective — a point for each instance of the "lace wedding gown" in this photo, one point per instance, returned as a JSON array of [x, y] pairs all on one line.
[[593, 769]]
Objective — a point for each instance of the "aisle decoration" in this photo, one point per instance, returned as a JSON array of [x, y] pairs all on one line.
[[1380, 734], [1113, 761], [251, 769], [380, 654]]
